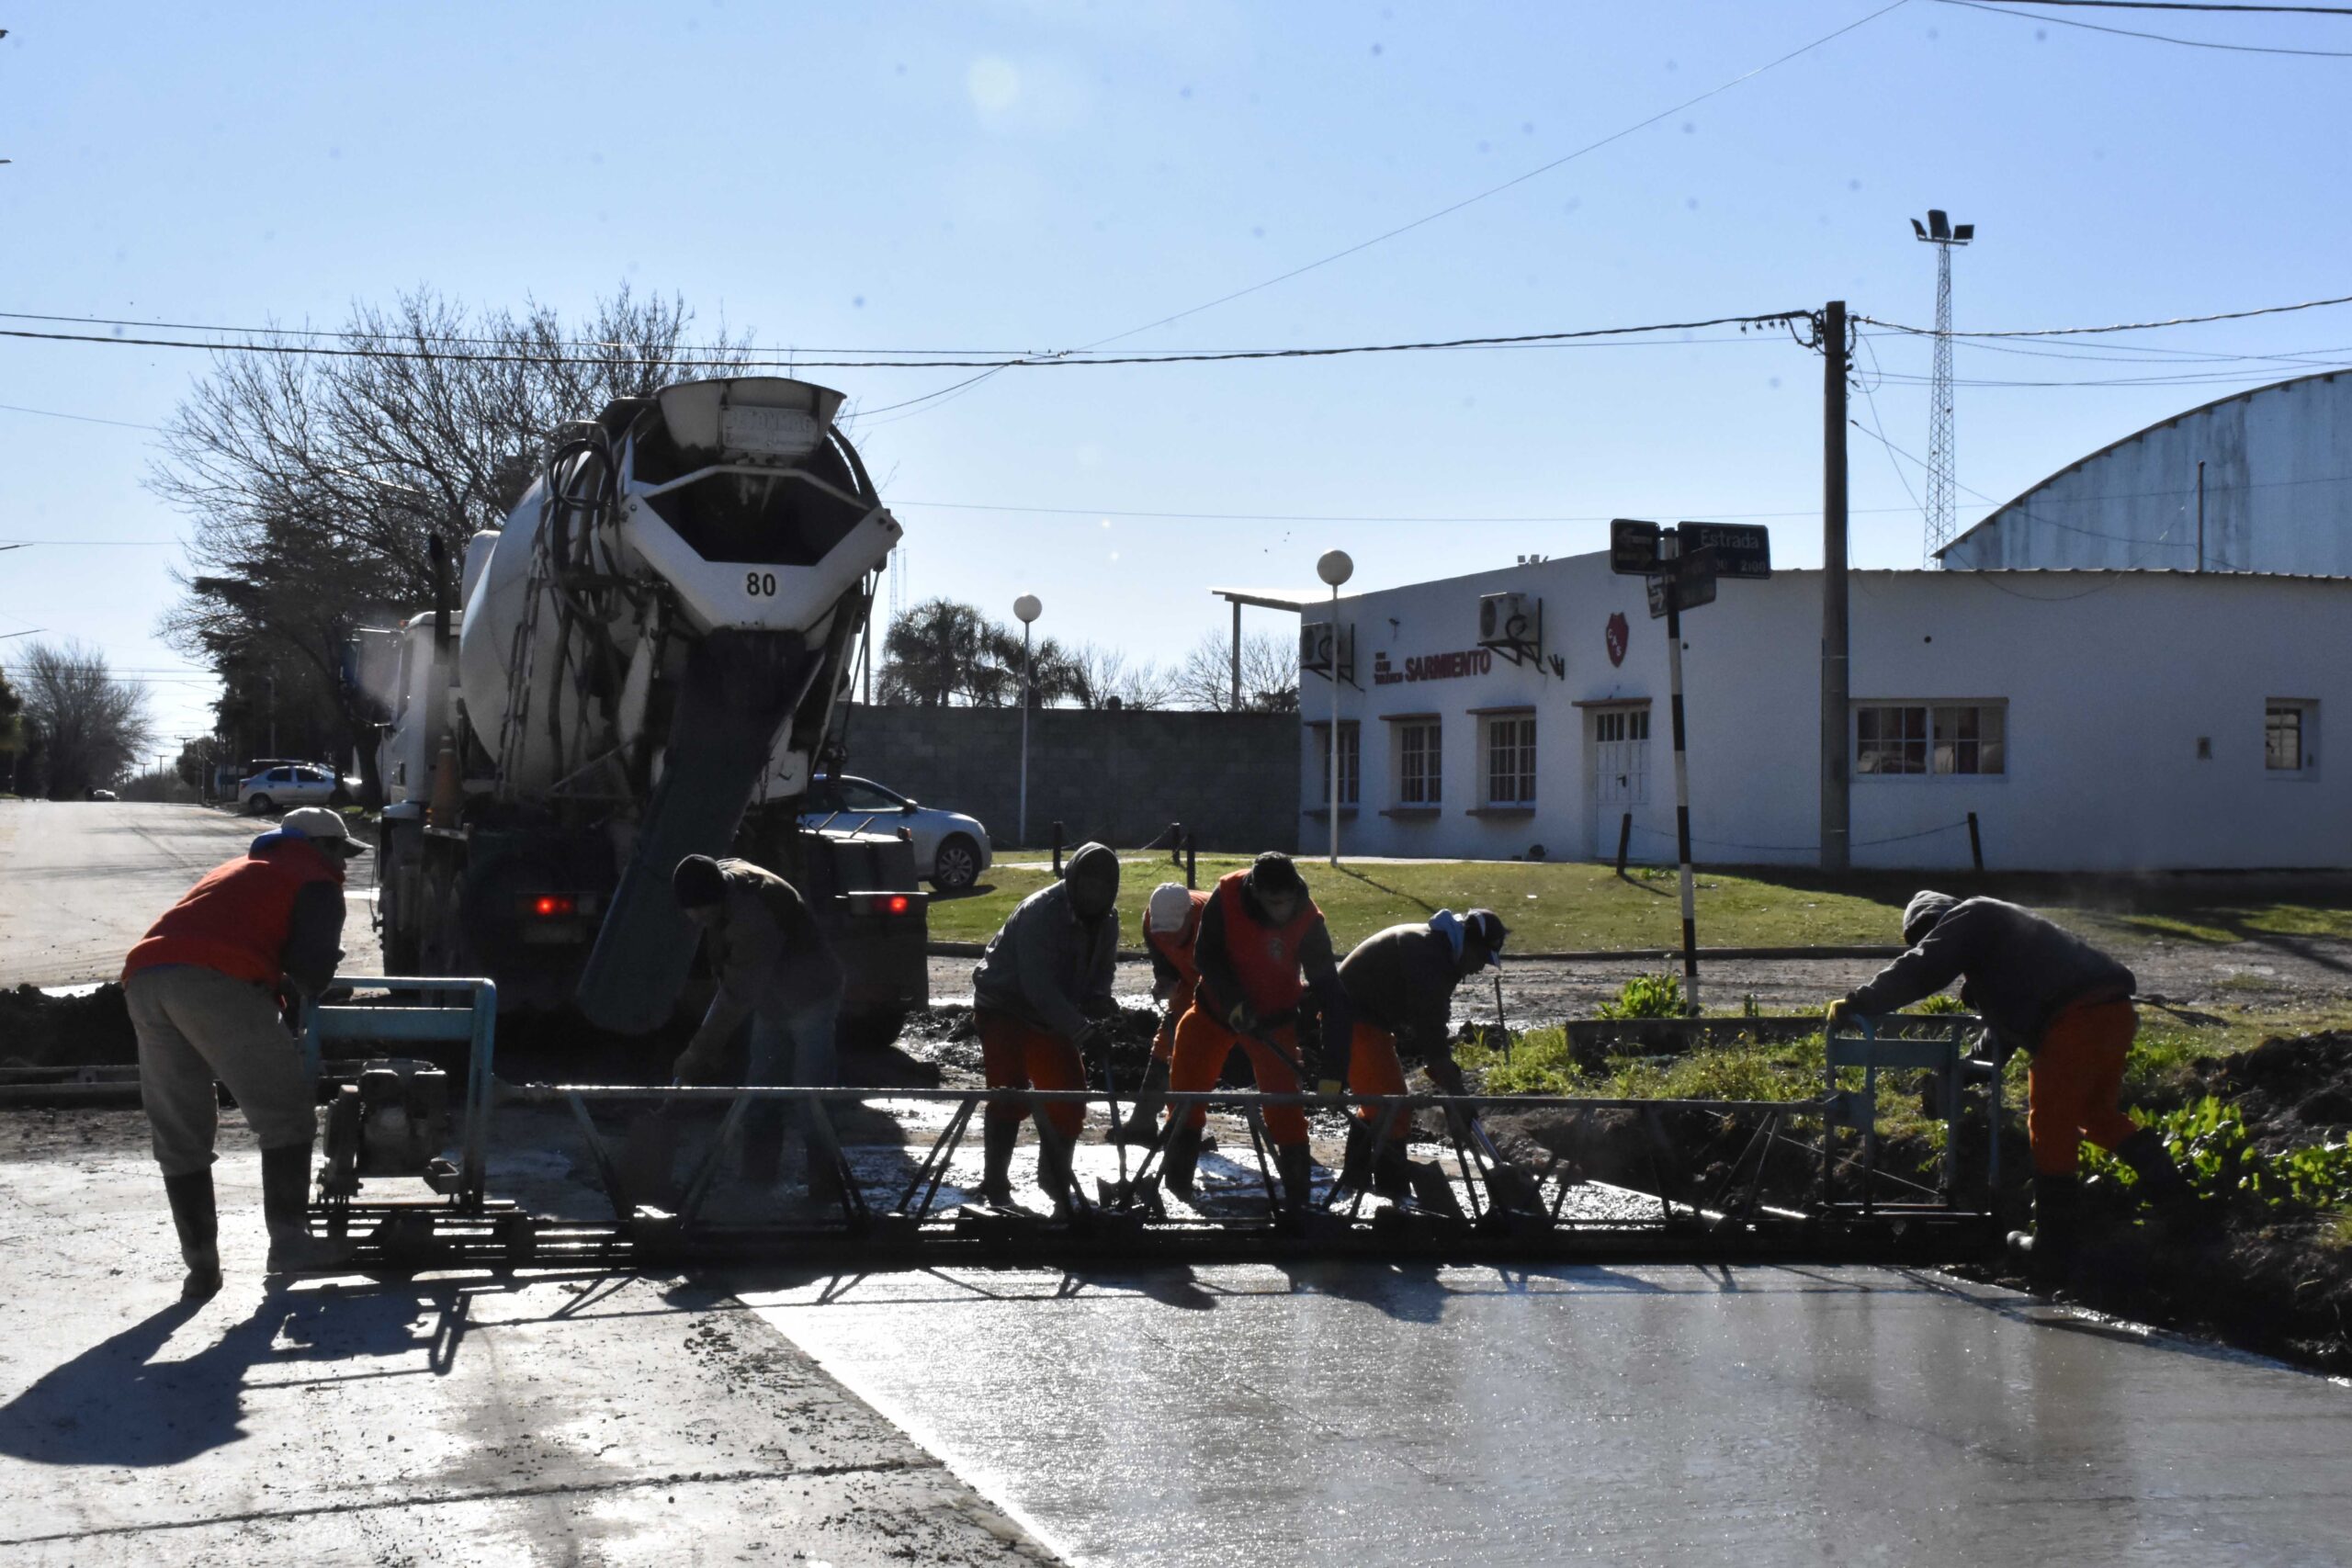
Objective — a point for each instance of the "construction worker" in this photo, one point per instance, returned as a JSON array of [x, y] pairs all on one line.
[[774, 965], [1262, 949], [1400, 986], [1172, 925], [2046, 990], [204, 990], [1038, 995]]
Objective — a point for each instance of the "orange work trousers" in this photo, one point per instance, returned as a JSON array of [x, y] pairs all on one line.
[[1201, 1047], [1373, 1067], [1016, 1053], [1180, 1000], [2073, 1085]]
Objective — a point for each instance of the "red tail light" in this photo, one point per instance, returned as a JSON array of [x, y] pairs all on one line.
[[900, 904], [554, 906]]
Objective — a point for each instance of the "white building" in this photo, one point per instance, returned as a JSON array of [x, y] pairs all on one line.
[[2089, 720]]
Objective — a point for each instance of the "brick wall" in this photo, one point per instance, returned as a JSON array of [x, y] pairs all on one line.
[[1119, 778]]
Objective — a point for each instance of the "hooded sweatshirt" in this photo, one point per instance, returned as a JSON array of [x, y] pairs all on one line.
[[1402, 981], [1048, 966], [2020, 970]]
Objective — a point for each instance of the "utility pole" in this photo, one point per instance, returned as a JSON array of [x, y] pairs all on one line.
[[1669, 550], [1835, 698]]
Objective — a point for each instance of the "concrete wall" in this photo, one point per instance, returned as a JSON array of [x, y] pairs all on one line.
[[1117, 777], [2109, 682], [2278, 493]]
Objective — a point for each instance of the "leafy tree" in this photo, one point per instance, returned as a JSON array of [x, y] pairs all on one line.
[[198, 757], [91, 724], [316, 482], [944, 653]]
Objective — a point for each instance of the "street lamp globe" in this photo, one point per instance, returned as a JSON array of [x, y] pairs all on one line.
[[1027, 608], [1335, 566]]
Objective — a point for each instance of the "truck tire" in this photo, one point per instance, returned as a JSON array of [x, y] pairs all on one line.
[[957, 864]]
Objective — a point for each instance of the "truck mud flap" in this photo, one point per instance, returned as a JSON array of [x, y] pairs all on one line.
[[737, 688]]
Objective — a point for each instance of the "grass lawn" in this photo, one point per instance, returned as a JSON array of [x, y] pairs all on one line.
[[1569, 905]]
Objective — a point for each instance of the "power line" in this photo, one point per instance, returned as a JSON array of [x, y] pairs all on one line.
[[2152, 38], [1025, 362], [2121, 326], [2203, 5]]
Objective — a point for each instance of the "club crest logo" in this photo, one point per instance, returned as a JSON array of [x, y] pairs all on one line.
[[1620, 636]]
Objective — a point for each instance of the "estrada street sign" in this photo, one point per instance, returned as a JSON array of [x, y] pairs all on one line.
[[1742, 549], [1633, 547]]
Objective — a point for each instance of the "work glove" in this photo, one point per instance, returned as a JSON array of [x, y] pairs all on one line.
[[1240, 1019], [1842, 1016]]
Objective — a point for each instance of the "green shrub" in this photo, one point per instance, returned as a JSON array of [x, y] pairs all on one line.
[[1647, 996], [2209, 1141], [1940, 1003]]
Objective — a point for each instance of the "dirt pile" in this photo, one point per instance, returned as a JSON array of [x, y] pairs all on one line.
[[92, 1029], [2291, 1092]]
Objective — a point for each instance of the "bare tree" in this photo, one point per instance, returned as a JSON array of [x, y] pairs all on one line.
[[1101, 677], [91, 724], [1269, 674], [316, 481]]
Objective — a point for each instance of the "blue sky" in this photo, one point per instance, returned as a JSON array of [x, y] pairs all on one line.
[[1045, 175]]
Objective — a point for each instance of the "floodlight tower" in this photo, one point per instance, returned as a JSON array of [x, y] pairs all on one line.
[[1940, 233]]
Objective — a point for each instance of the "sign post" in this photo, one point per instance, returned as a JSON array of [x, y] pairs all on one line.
[[1683, 565]]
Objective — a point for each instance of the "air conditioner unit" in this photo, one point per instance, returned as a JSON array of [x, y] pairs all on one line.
[[1510, 621], [1314, 647]]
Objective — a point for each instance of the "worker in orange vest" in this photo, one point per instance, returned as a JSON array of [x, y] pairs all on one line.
[[202, 987], [1262, 949], [1172, 926]]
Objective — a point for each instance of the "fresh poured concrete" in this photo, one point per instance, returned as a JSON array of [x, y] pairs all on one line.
[[1328, 1414]]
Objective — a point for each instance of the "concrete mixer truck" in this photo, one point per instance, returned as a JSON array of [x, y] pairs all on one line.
[[647, 661]]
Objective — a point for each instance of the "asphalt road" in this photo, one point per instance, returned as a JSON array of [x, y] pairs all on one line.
[[81, 881]]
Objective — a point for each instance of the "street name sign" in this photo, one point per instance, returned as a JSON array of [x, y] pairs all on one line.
[[1633, 547], [1741, 549]]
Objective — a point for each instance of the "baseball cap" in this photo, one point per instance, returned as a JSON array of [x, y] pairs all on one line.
[[322, 828], [1487, 929]]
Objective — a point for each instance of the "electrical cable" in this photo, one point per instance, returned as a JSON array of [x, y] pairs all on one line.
[[2204, 5], [2118, 327], [1026, 362], [2152, 38]]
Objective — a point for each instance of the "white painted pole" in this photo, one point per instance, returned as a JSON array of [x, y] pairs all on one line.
[[1028, 609], [1669, 549], [1335, 724]]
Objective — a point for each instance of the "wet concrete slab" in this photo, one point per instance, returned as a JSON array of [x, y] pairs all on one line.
[[1339, 1415], [475, 1421]]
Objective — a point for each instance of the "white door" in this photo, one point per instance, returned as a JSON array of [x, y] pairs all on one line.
[[1621, 771]]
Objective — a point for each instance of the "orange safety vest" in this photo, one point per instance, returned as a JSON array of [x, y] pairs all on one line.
[[1176, 946], [236, 919], [1264, 958]]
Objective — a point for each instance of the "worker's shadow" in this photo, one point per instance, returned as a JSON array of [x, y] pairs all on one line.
[[115, 1403], [1410, 1292]]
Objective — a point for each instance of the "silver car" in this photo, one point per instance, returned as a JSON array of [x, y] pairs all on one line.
[[294, 783], [951, 849]]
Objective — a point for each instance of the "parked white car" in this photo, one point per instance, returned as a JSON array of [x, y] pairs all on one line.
[[951, 849], [291, 784]]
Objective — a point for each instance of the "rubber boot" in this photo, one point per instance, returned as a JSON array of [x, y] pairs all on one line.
[[1054, 1153], [198, 1222], [1392, 1173], [2161, 1185], [285, 1208], [999, 1135], [1296, 1164], [1143, 1121], [1183, 1156], [2049, 1248], [1355, 1164]]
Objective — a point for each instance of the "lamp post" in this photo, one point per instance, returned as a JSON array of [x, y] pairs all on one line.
[[1028, 609], [1335, 568]]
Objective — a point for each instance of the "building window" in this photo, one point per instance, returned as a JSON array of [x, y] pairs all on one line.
[[1419, 776], [1924, 738], [1510, 760], [1351, 751], [1621, 724], [2290, 736]]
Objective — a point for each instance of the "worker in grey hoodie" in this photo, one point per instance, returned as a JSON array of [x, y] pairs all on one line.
[[2045, 991], [1038, 996]]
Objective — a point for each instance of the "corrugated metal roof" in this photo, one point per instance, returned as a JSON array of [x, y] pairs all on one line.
[[2164, 423]]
